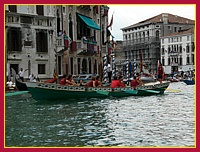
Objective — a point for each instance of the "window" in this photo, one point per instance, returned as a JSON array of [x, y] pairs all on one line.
[[41, 41], [64, 10], [82, 29], [163, 61], [180, 60], [188, 60], [157, 35], [188, 38], [39, 9], [168, 61], [187, 48], [41, 69], [163, 51], [180, 48], [14, 42], [175, 29], [169, 49], [12, 8]]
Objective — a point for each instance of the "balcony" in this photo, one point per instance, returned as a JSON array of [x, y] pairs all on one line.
[[140, 41], [88, 48], [173, 53]]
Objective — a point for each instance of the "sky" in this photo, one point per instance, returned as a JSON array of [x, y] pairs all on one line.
[[126, 15]]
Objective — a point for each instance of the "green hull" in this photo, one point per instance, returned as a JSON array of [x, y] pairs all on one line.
[[41, 91]]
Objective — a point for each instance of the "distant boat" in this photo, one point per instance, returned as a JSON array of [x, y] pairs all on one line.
[[174, 80], [188, 82]]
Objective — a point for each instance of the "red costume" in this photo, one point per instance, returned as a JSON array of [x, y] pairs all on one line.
[[90, 84], [116, 84], [134, 83], [160, 70]]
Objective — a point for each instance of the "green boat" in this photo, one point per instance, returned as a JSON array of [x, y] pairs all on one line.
[[49, 91]]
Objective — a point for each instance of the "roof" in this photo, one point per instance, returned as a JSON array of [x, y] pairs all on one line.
[[159, 19], [181, 32]]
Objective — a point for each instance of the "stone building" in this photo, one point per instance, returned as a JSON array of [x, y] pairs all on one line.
[[68, 39], [177, 51], [29, 39], [142, 40], [81, 45]]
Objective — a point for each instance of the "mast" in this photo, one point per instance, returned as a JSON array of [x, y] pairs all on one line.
[[141, 61]]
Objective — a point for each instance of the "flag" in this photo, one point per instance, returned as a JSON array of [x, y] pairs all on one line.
[[111, 22]]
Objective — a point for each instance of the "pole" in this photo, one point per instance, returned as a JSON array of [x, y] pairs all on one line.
[[141, 61], [104, 72], [113, 65], [127, 71], [134, 66]]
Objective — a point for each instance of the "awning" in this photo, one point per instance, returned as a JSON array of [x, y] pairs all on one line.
[[89, 22]]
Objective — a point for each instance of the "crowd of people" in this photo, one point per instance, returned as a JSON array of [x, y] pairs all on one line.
[[95, 82]]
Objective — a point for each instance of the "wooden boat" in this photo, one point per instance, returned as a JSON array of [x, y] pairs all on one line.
[[10, 89], [188, 82], [44, 91], [21, 86]]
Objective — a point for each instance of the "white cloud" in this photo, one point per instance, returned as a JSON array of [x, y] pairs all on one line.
[[126, 15]]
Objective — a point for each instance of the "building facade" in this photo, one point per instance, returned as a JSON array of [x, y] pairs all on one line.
[[141, 41], [177, 51], [68, 39], [81, 45], [29, 40]]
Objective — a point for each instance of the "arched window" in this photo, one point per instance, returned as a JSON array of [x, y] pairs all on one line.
[[58, 21], [157, 35]]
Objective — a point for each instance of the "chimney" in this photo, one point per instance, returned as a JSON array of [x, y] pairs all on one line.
[[165, 18]]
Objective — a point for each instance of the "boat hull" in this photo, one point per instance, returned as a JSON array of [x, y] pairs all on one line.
[[189, 82], [41, 91], [21, 86]]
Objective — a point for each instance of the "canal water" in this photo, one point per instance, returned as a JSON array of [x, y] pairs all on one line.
[[162, 120]]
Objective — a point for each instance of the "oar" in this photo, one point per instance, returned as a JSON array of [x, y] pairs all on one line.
[[170, 90], [102, 92], [150, 91], [16, 93], [131, 91]]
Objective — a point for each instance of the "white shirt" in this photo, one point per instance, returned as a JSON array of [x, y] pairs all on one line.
[[21, 73], [32, 78], [9, 83], [108, 68]]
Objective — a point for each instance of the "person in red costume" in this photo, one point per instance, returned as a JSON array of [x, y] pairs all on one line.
[[160, 73], [92, 82], [116, 83], [136, 82]]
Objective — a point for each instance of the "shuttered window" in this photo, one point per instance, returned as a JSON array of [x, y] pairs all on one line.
[[14, 42], [41, 68], [41, 41]]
